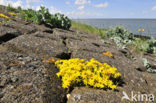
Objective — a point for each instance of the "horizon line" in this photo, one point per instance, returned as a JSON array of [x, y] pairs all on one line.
[[113, 18]]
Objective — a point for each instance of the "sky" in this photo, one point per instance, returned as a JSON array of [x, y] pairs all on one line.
[[92, 8]]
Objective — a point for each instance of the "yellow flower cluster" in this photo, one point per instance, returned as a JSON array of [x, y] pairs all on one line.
[[4, 16], [108, 54], [92, 73], [141, 29], [12, 13]]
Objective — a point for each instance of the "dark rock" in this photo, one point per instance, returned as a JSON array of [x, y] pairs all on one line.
[[82, 45], [3, 82], [87, 55], [88, 95], [14, 79], [13, 68], [20, 26], [35, 46], [27, 85], [58, 34], [1, 95], [7, 34], [7, 30]]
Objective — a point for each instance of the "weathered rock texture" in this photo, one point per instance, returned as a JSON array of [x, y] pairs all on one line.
[[25, 79]]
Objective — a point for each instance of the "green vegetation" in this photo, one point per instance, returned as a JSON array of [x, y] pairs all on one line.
[[149, 46], [44, 17], [148, 66], [89, 29], [122, 37], [10, 8]]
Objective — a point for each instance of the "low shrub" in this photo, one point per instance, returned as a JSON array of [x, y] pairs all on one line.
[[44, 17], [148, 46], [61, 21], [120, 36], [10, 8], [76, 72], [148, 66]]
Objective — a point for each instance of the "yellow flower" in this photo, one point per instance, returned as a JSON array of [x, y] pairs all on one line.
[[4, 16], [43, 60], [12, 13], [139, 29], [51, 60], [143, 29], [92, 73]]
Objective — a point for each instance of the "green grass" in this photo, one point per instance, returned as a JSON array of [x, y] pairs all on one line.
[[89, 29]]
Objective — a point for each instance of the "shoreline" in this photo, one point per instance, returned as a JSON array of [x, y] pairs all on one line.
[[133, 25], [135, 35]]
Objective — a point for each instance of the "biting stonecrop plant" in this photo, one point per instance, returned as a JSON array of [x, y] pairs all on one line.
[[12, 13], [43, 16], [4, 16], [92, 73]]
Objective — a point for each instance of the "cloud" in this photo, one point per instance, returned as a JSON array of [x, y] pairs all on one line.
[[67, 2], [132, 13], [35, 1], [154, 8], [13, 4], [82, 2], [17, 4], [53, 10], [89, 2], [144, 12], [103, 5], [80, 8], [83, 14], [32, 1], [38, 7]]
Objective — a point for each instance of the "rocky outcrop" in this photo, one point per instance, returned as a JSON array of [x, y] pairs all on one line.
[[25, 79]]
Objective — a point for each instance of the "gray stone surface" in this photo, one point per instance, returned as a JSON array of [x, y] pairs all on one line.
[[36, 46], [24, 79]]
